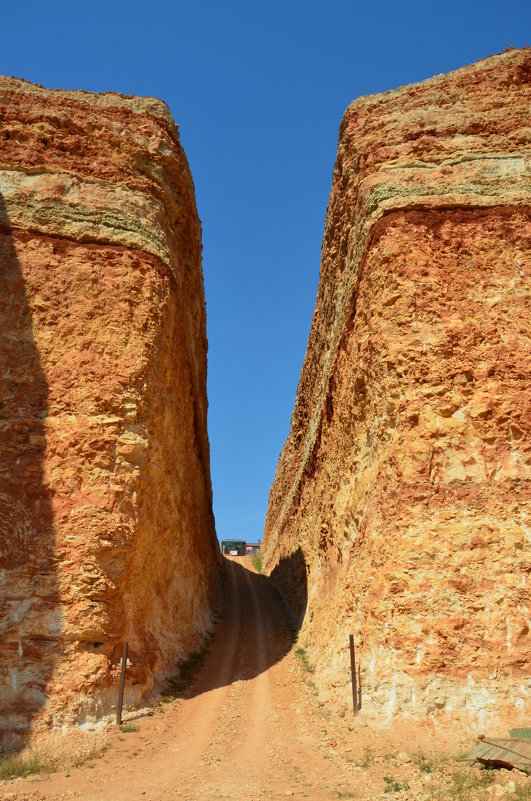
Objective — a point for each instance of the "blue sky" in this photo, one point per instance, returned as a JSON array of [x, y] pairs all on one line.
[[258, 90]]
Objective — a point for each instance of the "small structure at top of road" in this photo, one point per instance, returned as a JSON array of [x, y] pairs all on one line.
[[233, 547]]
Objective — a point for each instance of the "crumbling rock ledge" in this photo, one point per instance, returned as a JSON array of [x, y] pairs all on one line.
[[106, 525], [404, 482]]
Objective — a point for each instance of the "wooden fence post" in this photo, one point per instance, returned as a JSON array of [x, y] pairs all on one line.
[[353, 673], [122, 685]]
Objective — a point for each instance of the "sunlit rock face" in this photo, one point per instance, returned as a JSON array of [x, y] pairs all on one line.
[[404, 482], [106, 525]]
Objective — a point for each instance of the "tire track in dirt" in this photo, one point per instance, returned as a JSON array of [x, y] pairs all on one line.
[[255, 719], [212, 689], [240, 733]]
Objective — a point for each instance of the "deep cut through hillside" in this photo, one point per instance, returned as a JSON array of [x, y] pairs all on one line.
[[400, 507], [399, 511]]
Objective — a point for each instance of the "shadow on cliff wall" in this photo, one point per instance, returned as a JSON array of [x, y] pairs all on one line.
[[30, 624], [291, 581], [259, 624]]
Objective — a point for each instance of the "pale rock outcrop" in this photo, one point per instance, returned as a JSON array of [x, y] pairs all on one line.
[[106, 525], [400, 507]]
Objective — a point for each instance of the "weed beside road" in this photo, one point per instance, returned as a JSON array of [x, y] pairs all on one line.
[[28, 763]]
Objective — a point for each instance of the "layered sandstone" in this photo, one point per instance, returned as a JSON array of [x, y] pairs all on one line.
[[106, 525], [400, 507]]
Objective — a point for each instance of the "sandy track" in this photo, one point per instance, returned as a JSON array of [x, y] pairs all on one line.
[[243, 733], [250, 729]]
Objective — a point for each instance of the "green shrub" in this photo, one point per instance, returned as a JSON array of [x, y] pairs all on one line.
[[422, 763], [465, 781], [525, 732], [26, 764], [394, 786], [301, 654], [188, 668]]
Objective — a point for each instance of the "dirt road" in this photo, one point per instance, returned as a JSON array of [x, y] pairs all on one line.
[[243, 732], [250, 728]]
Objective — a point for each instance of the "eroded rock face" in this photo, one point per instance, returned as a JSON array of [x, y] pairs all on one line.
[[106, 524], [403, 488]]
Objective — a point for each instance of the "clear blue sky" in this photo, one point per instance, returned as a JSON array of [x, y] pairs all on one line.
[[258, 90]]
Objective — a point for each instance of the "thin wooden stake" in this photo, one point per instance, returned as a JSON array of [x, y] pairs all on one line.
[[353, 672], [122, 685]]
